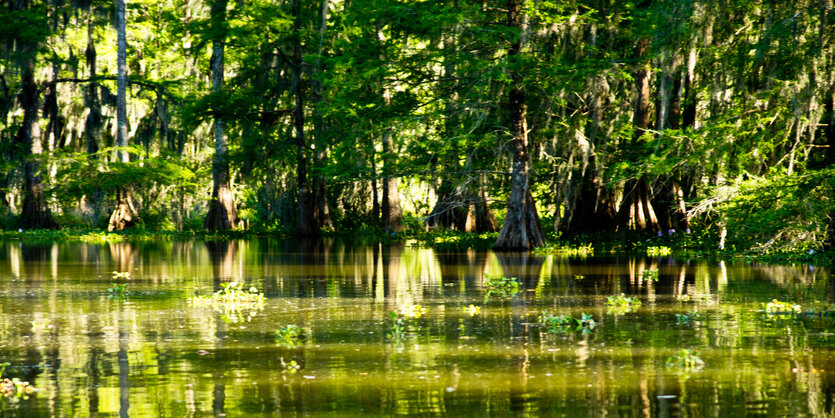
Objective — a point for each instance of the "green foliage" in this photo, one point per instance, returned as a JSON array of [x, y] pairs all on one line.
[[562, 324], [81, 176], [619, 305], [503, 287], [780, 308], [14, 390], [649, 275], [398, 327], [776, 213], [566, 249], [472, 310], [659, 251], [685, 359], [685, 318], [233, 302], [119, 290], [289, 335], [290, 367]]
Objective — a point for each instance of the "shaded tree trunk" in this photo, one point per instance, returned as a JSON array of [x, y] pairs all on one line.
[[306, 224], [449, 210], [124, 215], [392, 214], [223, 214], [320, 155], [34, 212], [390, 208], [522, 229], [636, 211], [830, 159]]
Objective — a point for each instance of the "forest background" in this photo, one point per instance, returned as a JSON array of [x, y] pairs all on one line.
[[536, 118]]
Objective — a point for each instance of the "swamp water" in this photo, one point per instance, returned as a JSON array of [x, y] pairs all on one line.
[[91, 350]]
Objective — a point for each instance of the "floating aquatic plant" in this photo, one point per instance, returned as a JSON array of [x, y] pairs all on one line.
[[503, 287], [472, 310], [412, 311], [232, 301], [398, 327], [579, 277], [776, 307], [649, 275], [289, 335], [290, 367], [562, 324], [14, 390], [619, 305], [659, 251], [583, 250], [121, 275], [119, 289], [685, 319], [686, 359]]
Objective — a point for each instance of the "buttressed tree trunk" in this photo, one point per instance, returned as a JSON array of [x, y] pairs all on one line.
[[636, 211], [124, 215], [222, 213], [522, 229]]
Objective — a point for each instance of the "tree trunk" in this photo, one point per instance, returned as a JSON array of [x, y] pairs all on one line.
[[689, 112], [449, 209], [522, 229], [121, 81], [320, 185], [34, 212], [636, 210], [390, 206], [392, 214], [222, 214], [830, 158], [124, 215], [93, 122], [306, 223]]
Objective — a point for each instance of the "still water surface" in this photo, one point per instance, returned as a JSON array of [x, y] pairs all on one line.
[[153, 353]]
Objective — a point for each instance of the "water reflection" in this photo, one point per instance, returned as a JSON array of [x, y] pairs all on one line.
[[154, 354]]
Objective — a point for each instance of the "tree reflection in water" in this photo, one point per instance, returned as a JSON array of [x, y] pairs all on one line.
[[154, 354]]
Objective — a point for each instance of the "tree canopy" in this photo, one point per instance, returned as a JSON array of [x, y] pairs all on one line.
[[527, 115]]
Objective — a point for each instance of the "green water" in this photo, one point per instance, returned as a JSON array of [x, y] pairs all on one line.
[[152, 353]]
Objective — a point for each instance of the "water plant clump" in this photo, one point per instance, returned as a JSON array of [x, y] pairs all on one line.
[[562, 324], [233, 301], [119, 289], [290, 367], [685, 318], [503, 287], [685, 359], [290, 335], [659, 251], [472, 310], [13, 390], [581, 250], [619, 305], [412, 311], [649, 275], [398, 327], [776, 307]]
